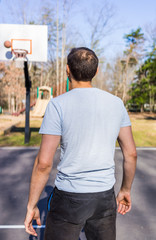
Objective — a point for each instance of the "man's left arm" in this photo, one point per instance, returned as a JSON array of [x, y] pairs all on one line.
[[40, 175]]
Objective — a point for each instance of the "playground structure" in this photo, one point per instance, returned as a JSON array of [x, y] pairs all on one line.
[[44, 94]]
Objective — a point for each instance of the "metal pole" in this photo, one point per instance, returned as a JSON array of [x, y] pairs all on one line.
[[28, 86], [37, 92]]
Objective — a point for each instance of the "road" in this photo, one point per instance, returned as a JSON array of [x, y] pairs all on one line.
[[15, 171]]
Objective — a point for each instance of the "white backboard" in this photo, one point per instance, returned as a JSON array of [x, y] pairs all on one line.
[[33, 38]]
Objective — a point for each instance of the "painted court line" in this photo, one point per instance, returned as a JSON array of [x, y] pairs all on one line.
[[141, 148], [35, 148], [19, 148], [146, 148], [18, 226]]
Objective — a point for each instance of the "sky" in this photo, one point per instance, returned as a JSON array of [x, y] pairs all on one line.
[[133, 14], [128, 15]]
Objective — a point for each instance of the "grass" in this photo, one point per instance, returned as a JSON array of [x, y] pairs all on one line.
[[17, 138], [144, 132]]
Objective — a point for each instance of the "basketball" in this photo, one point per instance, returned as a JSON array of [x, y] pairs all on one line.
[[7, 44]]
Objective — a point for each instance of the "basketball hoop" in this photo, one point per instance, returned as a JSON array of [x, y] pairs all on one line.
[[20, 57], [20, 53]]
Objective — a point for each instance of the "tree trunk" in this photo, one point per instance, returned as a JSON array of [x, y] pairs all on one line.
[[124, 95], [62, 57], [41, 79], [57, 50], [9, 108], [142, 108]]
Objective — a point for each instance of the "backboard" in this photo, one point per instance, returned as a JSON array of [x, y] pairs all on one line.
[[31, 38]]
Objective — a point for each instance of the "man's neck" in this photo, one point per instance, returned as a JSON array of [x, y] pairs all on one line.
[[81, 84]]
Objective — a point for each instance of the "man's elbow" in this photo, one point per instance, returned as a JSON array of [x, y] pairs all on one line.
[[44, 167], [132, 155]]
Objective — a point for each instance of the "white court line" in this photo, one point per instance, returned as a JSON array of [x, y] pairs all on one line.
[[19, 148], [18, 226], [35, 148], [141, 148], [146, 148]]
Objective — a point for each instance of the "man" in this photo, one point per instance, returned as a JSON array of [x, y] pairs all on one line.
[[88, 121]]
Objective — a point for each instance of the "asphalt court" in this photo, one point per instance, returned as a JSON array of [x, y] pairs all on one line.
[[15, 171]]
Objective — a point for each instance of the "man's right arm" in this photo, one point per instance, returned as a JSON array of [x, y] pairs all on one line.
[[128, 148]]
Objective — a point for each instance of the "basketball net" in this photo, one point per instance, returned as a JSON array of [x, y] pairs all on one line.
[[20, 55]]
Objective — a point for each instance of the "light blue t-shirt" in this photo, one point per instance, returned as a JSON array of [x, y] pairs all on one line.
[[89, 121]]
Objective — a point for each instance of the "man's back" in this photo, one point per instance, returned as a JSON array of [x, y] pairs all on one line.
[[89, 120]]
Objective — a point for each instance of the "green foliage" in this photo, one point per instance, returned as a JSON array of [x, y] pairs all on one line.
[[143, 90], [139, 92], [134, 40], [135, 37]]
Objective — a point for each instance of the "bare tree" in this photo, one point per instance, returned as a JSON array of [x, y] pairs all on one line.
[[12, 83], [21, 12], [63, 44], [150, 34], [100, 26], [57, 49], [67, 6]]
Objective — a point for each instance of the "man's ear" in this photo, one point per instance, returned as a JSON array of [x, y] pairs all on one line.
[[68, 70], [97, 71]]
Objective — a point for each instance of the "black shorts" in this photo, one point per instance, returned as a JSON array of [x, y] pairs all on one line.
[[69, 213]]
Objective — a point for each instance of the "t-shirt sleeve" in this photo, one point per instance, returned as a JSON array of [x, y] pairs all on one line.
[[51, 123], [125, 122]]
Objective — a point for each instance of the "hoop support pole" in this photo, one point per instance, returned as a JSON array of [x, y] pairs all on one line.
[[27, 112]]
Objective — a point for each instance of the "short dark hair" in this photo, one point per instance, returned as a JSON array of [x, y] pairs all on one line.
[[82, 63]]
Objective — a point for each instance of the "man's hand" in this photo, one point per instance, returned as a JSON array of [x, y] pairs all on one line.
[[123, 200], [30, 216], [40, 174], [128, 148]]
